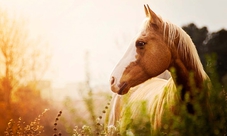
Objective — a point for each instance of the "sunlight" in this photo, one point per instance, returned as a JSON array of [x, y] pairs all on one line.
[[58, 56], [73, 27]]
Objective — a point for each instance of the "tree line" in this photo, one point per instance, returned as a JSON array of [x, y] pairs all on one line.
[[210, 44]]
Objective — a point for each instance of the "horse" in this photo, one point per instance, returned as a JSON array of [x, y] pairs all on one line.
[[160, 48]]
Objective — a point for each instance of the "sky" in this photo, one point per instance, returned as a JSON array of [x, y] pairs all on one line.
[[103, 28]]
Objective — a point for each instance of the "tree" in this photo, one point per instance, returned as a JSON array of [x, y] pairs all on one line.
[[218, 45], [21, 58], [210, 43]]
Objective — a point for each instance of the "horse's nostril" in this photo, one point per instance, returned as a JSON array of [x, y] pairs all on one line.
[[112, 80]]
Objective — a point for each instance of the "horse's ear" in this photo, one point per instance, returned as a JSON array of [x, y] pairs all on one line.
[[154, 19], [146, 11]]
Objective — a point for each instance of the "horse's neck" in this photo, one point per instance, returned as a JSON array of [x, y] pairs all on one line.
[[186, 61], [182, 77], [183, 74], [185, 58]]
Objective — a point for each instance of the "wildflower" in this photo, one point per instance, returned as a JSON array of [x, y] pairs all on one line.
[[111, 129]]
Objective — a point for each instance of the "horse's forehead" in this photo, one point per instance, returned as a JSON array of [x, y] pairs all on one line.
[[147, 34], [149, 28]]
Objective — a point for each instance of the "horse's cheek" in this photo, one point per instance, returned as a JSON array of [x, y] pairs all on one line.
[[164, 57]]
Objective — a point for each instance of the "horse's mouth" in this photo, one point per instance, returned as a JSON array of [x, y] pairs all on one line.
[[123, 88]]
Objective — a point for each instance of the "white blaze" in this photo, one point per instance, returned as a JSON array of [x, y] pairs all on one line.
[[129, 56]]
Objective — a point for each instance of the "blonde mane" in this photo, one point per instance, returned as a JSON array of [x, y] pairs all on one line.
[[185, 47]]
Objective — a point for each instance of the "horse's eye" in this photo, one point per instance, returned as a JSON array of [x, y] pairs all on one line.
[[140, 44]]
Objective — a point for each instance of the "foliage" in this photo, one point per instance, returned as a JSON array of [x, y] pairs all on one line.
[[208, 43], [210, 117], [139, 126], [26, 109], [22, 58], [217, 44], [56, 123], [23, 61], [19, 128], [16, 50], [78, 120]]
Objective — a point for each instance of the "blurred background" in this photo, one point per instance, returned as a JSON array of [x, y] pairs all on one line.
[[54, 53]]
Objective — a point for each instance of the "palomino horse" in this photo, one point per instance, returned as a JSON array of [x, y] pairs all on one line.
[[160, 46]]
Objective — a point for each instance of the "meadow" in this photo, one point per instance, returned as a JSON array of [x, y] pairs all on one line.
[[86, 117]]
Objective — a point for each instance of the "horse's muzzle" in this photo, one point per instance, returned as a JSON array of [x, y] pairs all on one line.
[[120, 89]]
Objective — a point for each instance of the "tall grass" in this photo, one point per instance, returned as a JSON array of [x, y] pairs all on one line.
[[20, 128], [210, 117]]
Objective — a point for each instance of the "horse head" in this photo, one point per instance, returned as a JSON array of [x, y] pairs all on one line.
[[147, 56]]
